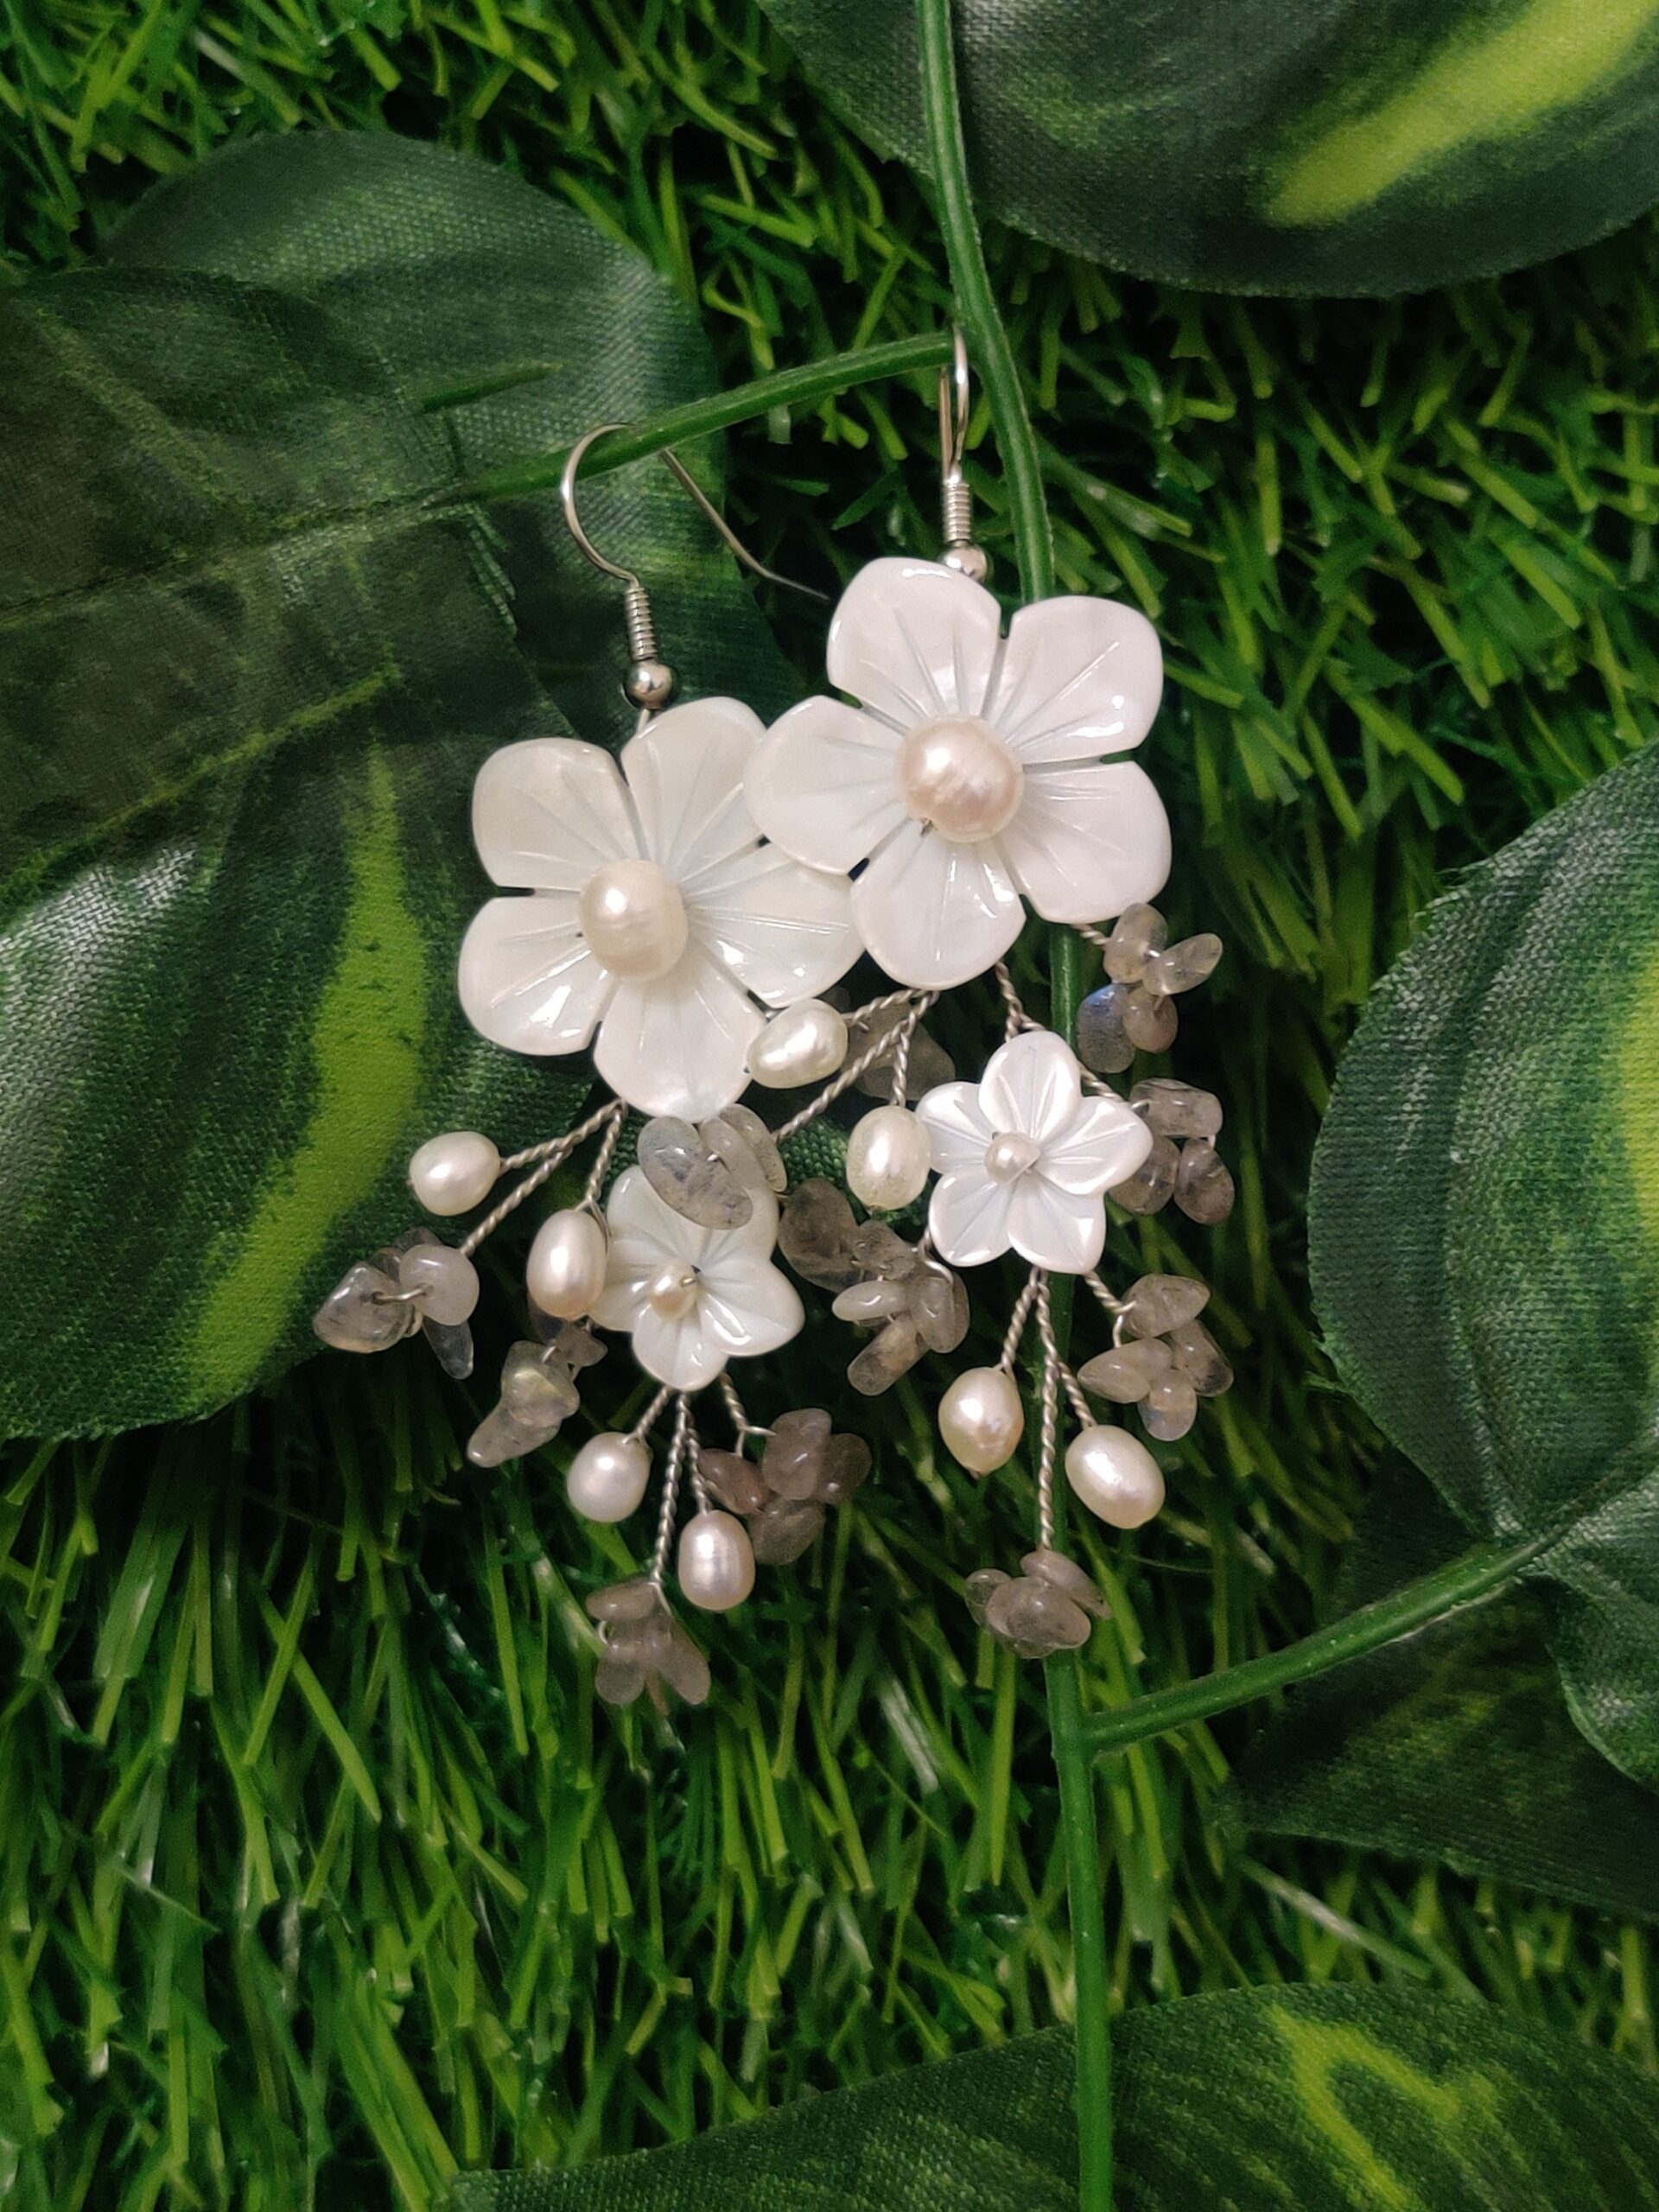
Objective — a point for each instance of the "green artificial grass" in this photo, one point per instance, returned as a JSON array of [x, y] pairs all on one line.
[[321, 1873]]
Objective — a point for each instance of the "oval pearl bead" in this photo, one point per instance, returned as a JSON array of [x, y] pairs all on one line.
[[1007, 1158], [447, 1279], [981, 1420], [672, 1291], [716, 1562], [802, 1045], [956, 773], [633, 919], [888, 1155], [607, 1477], [453, 1173], [565, 1272], [1114, 1476]]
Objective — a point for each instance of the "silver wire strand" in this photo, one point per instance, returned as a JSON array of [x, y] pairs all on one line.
[[659, 1570], [1049, 1435], [555, 1154]]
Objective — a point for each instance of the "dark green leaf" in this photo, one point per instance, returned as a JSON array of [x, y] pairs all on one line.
[[1328, 2099], [516, 326], [233, 860], [1485, 1228], [1454, 1745], [1326, 146]]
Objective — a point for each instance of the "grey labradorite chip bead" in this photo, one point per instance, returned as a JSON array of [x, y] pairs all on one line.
[[689, 1177]]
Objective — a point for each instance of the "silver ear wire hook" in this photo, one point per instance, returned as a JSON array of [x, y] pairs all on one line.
[[650, 682], [955, 500]]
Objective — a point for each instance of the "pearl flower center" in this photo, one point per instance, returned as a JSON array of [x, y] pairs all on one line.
[[956, 773], [633, 919], [672, 1291], [1007, 1156]]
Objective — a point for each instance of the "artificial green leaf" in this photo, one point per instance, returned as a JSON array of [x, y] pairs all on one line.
[[255, 647], [1329, 2100], [1453, 1745], [1325, 146], [1485, 1228], [516, 325], [244, 678]]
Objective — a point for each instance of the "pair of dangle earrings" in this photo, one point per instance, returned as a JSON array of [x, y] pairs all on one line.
[[688, 910]]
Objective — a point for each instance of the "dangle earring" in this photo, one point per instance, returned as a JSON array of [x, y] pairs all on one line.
[[651, 913], [979, 775]]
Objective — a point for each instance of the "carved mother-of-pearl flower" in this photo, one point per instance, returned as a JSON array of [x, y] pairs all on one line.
[[972, 770], [657, 914], [1024, 1158], [693, 1298]]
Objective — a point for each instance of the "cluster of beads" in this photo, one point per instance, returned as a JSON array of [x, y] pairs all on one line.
[[1136, 1011], [709, 1173], [538, 1396], [415, 1282], [804, 1469], [645, 1649], [912, 1302], [1050, 1606], [1163, 1359]]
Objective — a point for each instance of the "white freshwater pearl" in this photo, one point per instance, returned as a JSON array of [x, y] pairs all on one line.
[[447, 1278], [633, 919], [981, 1420], [956, 773], [803, 1043], [672, 1291], [607, 1477], [888, 1155], [565, 1272], [453, 1173], [1008, 1157], [1115, 1476], [716, 1562]]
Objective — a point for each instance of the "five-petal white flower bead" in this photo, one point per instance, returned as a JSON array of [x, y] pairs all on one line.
[[1025, 1159], [973, 769], [693, 1298], [657, 914]]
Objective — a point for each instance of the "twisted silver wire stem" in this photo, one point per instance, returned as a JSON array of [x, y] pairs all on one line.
[[604, 1156], [1017, 1320], [647, 1419], [903, 1035], [657, 1573], [737, 1414], [1080, 1405], [874, 1053], [1018, 1018], [554, 1154], [1049, 1435], [693, 1457]]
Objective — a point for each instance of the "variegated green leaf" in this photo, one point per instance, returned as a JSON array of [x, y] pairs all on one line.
[[1326, 146], [1453, 1745], [251, 651], [514, 325], [1485, 1229], [1326, 2100]]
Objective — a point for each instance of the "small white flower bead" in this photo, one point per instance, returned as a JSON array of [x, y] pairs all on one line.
[[803, 1043], [888, 1156], [607, 1477], [565, 1273], [981, 1420], [455, 1172], [716, 1562], [633, 919], [1116, 1477], [447, 1280]]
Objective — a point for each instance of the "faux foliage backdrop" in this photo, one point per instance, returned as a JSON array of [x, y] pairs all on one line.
[[320, 1873]]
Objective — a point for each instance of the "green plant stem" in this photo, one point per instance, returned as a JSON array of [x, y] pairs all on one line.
[[1085, 1901], [1476, 1575], [700, 418], [987, 341]]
